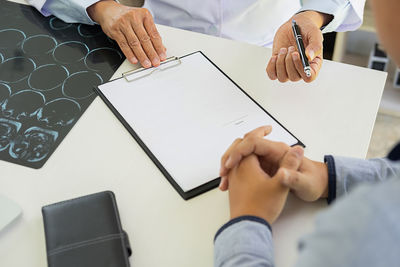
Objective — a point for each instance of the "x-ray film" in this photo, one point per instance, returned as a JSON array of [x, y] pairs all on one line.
[[48, 70]]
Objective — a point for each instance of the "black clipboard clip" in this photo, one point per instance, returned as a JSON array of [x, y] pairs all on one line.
[[134, 75]]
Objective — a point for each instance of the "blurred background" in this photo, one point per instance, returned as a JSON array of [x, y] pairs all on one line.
[[356, 48]]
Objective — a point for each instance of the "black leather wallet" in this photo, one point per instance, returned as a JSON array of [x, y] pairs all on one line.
[[85, 232]]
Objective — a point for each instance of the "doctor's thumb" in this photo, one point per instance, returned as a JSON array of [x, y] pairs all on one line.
[[315, 44]]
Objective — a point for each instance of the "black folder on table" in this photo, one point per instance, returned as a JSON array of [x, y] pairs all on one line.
[[185, 114]]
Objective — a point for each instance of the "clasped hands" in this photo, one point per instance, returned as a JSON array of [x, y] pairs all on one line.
[[259, 174]]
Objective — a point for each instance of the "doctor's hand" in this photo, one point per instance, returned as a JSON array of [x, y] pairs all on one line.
[[133, 29], [252, 191], [285, 62]]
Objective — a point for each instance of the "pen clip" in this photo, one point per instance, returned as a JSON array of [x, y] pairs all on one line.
[[143, 72]]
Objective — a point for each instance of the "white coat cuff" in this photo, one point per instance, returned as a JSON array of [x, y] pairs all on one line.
[[338, 9]]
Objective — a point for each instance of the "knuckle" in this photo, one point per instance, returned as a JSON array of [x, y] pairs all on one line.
[[291, 161], [237, 140], [121, 22], [115, 27], [145, 12], [123, 44], [144, 38], [246, 135], [252, 139], [136, 22], [283, 146], [154, 34], [134, 43], [223, 158]]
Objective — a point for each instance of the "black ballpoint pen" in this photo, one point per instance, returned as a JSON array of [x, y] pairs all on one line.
[[300, 47]]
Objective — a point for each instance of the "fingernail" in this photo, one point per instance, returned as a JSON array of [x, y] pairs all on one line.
[[311, 54], [223, 178], [285, 176], [228, 163], [133, 60], [156, 61], [146, 63], [295, 56], [291, 49], [298, 151], [273, 59], [163, 56], [282, 51]]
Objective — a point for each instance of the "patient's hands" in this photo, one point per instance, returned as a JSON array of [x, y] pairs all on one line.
[[268, 152], [253, 192], [255, 159], [133, 29]]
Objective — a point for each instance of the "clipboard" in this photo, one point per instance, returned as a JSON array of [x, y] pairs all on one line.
[[135, 80]]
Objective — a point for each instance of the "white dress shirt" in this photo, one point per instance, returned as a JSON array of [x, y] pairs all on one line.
[[252, 21]]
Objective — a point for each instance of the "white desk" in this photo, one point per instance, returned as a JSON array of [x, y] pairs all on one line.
[[335, 114]]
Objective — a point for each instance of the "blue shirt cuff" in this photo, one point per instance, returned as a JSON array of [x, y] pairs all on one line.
[[330, 161], [395, 153], [242, 218]]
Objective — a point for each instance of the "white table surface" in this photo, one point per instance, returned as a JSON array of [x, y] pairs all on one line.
[[333, 115]]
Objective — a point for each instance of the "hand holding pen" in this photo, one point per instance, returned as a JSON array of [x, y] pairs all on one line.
[[286, 61], [300, 48]]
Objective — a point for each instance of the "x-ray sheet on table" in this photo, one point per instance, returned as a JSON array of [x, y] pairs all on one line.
[[188, 115], [48, 70]]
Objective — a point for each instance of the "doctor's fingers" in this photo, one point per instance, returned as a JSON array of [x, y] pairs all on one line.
[[315, 65], [143, 47], [122, 42], [281, 72], [291, 70], [131, 47], [134, 40], [271, 67], [155, 37]]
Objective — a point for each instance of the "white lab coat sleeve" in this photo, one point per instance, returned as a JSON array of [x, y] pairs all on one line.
[[38, 4], [347, 14], [71, 11]]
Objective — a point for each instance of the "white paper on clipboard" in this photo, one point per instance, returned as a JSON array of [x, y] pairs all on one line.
[[188, 115]]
